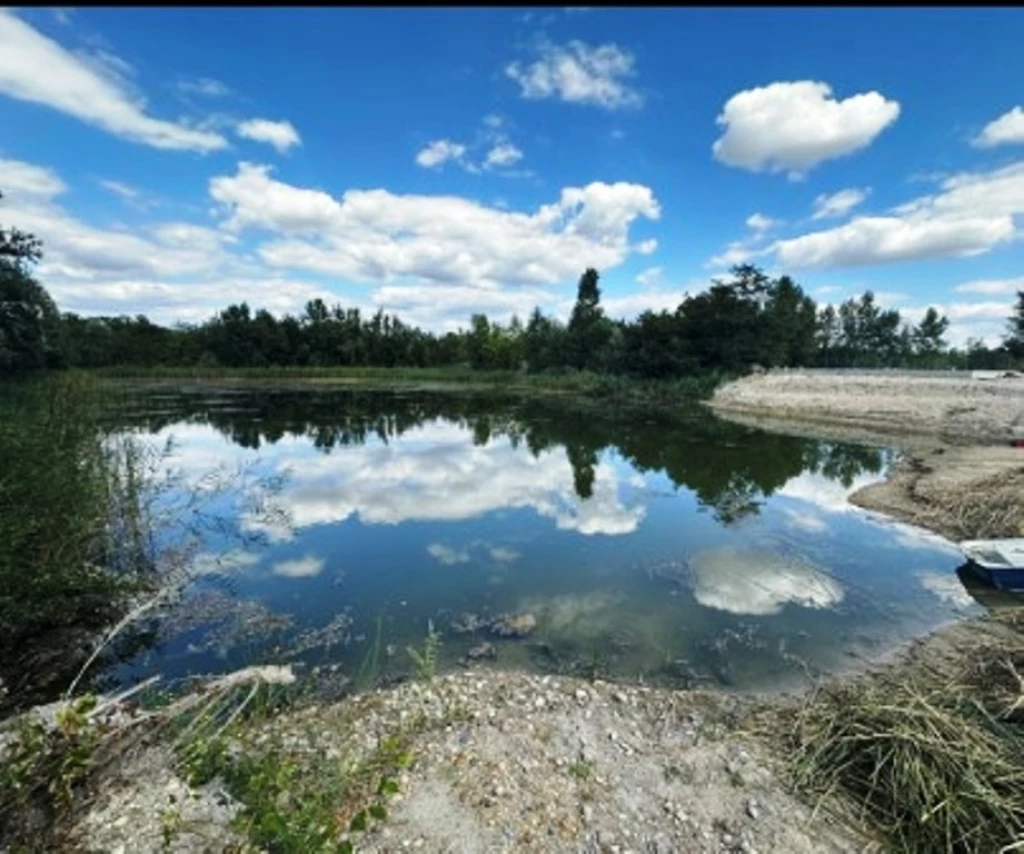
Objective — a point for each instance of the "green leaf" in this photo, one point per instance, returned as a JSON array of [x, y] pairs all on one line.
[[387, 786], [379, 812], [358, 822]]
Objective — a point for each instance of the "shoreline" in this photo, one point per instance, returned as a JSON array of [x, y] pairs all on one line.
[[508, 761]]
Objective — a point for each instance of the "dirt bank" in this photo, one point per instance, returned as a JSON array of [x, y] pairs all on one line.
[[955, 410], [959, 476], [504, 762]]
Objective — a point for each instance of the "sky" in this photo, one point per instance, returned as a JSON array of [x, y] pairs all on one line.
[[442, 162]]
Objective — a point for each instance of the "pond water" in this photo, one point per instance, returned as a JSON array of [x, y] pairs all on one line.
[[330, 528]]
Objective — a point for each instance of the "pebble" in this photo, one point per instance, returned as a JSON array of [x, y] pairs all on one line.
[[753, 810]]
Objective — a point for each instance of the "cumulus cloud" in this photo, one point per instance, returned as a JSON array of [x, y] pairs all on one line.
[[377, 236], [37, 69], [758, 582], [282, 135], [793, 126], [839, 203], [1006, 130], [436, 473], [502, 154], [581, 74], [972, 213], [304, 567], [440, 152]]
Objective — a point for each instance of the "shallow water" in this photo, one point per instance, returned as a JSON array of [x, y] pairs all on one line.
[[329, 527]]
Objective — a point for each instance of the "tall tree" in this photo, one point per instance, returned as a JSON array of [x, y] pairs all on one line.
[[589, 330], [927, 336], [1014, 340]]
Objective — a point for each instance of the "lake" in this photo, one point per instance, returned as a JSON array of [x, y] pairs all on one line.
[[330, 528]]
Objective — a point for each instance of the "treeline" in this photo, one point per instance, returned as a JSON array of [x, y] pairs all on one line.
[[751, 319]]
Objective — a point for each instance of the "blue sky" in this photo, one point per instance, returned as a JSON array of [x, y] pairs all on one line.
[[442, 162]]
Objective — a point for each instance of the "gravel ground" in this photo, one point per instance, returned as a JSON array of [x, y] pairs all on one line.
[[957, 410], [510, 762]]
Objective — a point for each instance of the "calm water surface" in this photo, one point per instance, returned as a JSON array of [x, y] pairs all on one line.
[[328, 528]]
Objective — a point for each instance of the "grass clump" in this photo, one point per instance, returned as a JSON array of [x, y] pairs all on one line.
[[935, 761]]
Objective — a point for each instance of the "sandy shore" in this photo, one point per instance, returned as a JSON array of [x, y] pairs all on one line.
[[955, 410], [959, 477]]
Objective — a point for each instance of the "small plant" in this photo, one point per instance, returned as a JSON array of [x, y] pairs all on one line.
[[43, 767], [426, 662], [582, 770]]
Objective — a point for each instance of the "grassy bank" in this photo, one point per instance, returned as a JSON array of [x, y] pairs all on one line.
[[74, 543], [583, 383]]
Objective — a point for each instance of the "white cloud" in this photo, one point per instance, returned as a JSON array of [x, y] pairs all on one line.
[[631, 305], [971, 214], [946, 587], [759, 582], [37, 69], [503, 554], [579, 74], [985, 321], [737, 252], [502, 154], [793, 126], [18, 178], [839, 203], [282, 135], [440, 152], [123, 191], [651, 277], [493, 121], [205, 86], [436, 473], [1007, 129], [376, 236], [647, 247], [992, 286], [304, 567], [760, 222], [447, 555]]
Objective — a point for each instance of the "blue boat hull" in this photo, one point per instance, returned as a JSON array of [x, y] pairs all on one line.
[[1003, 579]]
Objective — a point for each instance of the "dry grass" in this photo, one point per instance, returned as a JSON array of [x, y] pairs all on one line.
[[933, 759]]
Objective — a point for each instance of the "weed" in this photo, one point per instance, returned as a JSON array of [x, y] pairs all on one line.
[[582, 770], [426, 662]]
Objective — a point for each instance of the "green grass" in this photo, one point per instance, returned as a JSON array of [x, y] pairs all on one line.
[[582, 383], [73, 537]]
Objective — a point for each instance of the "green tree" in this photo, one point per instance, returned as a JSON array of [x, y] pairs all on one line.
[[927, 337], [29, 320], [589, 330], [1014, 340]]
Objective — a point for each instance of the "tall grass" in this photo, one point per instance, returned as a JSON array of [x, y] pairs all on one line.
[[581, 382], [73, 538]]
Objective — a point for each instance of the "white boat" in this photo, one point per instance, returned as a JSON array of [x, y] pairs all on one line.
[[1001, 562]]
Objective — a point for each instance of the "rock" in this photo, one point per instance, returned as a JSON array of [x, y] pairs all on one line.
[[581, 696], [514, 625], [753, 810], [482, 651]]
